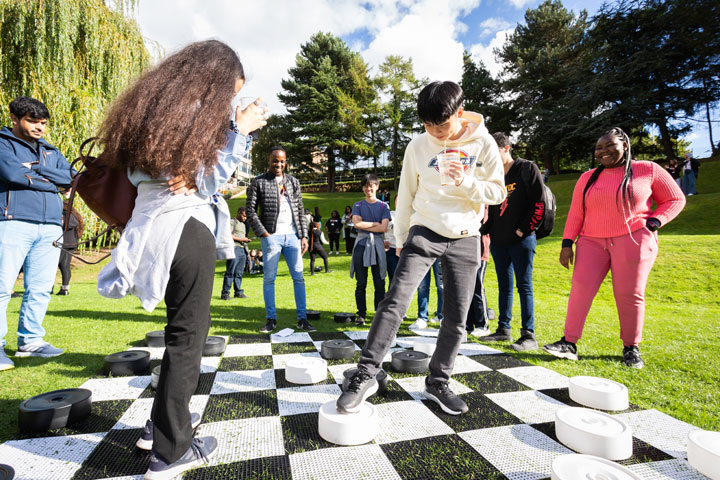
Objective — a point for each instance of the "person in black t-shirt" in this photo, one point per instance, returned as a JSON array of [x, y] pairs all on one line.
[[512, 226], [334, 227]]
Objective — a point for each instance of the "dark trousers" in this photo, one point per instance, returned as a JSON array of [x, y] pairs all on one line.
[[518, 259], [392, 261], [460, 259], [188, 320], [334, 240], [234, 270], [64, 265], [361, 276], [349, 241], [478, 313], [318, 250]]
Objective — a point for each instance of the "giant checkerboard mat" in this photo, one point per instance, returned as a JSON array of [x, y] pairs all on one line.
[[267, 428]]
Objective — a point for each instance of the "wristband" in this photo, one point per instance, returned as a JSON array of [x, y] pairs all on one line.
[[652, 224], [567, 243]]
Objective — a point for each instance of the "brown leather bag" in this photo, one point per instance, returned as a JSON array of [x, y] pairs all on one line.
[[107, 191]]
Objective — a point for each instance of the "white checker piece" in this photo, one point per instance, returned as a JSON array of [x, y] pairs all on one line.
[[415, 386], [306, 399], [248, 349], [156, 353], [279, 361], [477, 349], [659, 430], [139, 411], [408, 420], [465, 364], [674, 469], [519, 451], [296, 337], [209, 364], [244, 439], [358, 335], [343, 463], [117, 388], [51, 458], [529, 406], [244, 381], [537, 378]]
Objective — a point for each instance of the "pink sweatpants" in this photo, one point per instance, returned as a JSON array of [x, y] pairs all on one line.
[[630, 263]]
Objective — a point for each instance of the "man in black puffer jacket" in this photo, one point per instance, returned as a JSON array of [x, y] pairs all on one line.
[[283, 230]]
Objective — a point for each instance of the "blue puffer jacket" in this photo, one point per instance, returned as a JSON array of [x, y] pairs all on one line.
[[31, 194]]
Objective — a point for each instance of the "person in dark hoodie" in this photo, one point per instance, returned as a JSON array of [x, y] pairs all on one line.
[[32, 172], [512, 226]]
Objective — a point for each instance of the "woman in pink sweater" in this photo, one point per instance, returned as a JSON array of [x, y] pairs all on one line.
[[616, 230]]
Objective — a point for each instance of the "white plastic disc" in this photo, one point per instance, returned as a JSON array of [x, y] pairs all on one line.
[[306, 370], [425, 344], [588, 467], [155, 377], [593, 433], [599, 393], [347, 429], [703, 449]]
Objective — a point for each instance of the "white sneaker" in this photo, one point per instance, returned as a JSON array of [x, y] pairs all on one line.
[[480, 332], [435, 319], [39, 349], [419, 324], [5, 362]]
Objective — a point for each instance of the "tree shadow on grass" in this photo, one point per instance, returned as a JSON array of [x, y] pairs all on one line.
[[104, 315]]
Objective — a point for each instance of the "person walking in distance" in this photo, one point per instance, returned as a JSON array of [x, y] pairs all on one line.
[[512, 226], [235, 268], [439, 211], [276, 214], [334, 227]]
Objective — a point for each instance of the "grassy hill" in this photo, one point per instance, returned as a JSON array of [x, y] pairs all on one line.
[[680, 346]]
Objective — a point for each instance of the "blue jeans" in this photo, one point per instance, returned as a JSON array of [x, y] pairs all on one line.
[[289, 247], [478, 313], [234, 270], [688, 182], [517, 258], [28, 245], [424, 292]]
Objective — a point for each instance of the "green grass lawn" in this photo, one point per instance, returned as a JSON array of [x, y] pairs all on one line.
[[680, 346]]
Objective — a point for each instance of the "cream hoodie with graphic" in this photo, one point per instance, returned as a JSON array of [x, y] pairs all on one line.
[[453, 212]]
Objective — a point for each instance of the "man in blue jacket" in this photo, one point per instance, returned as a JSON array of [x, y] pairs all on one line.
[[32, 173]]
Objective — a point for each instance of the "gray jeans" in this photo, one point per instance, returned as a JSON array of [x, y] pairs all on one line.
[[460, 260]]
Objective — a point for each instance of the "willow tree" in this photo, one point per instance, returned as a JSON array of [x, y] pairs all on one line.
[[74, 56]]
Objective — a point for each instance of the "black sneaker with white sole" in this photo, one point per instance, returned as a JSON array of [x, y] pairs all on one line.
[[303, 324], [440, 393], [360, 386], [200, 450], [632, 358], [145, 442], [269, 326], [562, 349]]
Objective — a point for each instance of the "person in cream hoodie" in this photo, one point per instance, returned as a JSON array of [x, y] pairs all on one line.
[[435, 221]]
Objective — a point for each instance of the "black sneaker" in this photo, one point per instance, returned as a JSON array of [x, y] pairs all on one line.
[[63, 292], [500, 335], [303, 324], [359, 320], [525, 342], [225, 296], [631, 357], [360, 386], [440, 393], [198, 453], [269, 326], [145, 442], [240, 295], [562, 349]]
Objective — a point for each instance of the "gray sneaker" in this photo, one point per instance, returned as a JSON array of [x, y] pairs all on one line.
[[5, 362], [360, 386], [198, 453], [145, 442], [440, 393], [500, 335], [38, 349], [525, 342]]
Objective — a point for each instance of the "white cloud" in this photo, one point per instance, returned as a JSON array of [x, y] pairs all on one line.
[[485, 53], [493, 25], [520, 3]]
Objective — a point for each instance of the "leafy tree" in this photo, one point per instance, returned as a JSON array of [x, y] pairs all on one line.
[[73, 55], [398, 84], [324, 96], [483, 94]]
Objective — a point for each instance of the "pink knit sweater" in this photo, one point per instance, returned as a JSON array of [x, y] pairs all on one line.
[[604, 216]]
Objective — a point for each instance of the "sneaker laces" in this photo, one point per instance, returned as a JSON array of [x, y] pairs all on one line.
[[443, 388], [357, 380], [197, 450]]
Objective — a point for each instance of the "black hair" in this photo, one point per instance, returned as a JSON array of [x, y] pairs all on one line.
[[274, 149], [334, 214], [317, 210], [438, 101], [29, 106], [241, 210], [626, 184], [502, 140], [370, 177], [347, 207]]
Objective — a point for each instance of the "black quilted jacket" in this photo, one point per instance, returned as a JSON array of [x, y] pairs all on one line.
[[263, 198]]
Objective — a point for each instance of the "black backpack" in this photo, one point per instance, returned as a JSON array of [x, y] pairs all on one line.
[[547, 224]]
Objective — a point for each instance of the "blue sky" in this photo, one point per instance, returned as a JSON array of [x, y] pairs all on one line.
[[268, 33]]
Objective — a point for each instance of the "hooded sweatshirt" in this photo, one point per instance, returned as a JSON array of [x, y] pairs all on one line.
[[450, 211]]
